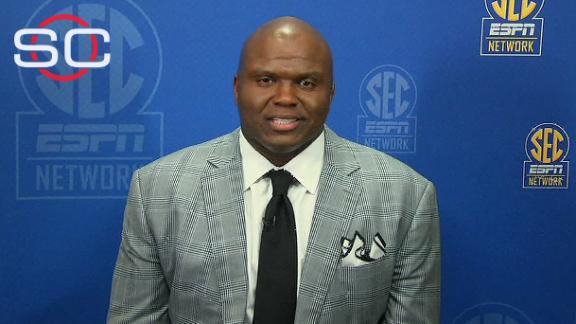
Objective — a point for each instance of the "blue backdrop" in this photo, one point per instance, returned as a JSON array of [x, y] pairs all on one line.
[[479, 96]]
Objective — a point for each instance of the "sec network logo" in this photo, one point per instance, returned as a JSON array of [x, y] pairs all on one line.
[[546, 146], [492, 313], [512, 29], [387, 97], [89, 132]]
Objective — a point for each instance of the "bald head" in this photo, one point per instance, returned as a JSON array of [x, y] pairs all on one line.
[[286, 31], [284, 88]]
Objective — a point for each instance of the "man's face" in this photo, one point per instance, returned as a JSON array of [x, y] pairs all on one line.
[[283, 89]]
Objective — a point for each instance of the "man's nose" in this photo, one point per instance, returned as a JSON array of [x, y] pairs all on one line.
[[285, 94]]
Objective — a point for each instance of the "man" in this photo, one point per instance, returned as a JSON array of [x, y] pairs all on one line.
[[362, 227]]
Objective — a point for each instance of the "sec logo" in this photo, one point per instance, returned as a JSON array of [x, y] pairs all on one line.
[[388, 92], [513, 28], [493, 313], [547, 143], [90, 71], [547, 147], [388, 97], [512, 10]]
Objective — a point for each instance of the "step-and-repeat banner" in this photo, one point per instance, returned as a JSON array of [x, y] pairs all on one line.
[[479, 96]]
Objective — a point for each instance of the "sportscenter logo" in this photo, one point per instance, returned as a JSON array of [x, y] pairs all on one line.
[[33, 47]]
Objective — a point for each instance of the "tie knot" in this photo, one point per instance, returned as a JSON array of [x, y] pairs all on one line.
[[281, 181]]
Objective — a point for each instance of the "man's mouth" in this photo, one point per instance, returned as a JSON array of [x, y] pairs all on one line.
[[284, 124]]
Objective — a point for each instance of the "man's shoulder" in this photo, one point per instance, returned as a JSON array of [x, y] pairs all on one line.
[[374, 163], [191, 158]]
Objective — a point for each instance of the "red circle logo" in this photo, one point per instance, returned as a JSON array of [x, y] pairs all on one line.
[[93, 55]]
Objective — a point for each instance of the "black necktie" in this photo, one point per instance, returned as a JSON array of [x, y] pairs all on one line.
[[277, 264]]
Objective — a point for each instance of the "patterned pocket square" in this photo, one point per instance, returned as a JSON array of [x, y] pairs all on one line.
[[362, 254]]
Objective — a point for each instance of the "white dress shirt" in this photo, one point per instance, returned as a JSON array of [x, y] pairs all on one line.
[[306, 168]]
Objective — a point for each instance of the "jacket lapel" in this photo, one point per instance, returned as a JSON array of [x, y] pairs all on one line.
[[223, 193], [337, 197]]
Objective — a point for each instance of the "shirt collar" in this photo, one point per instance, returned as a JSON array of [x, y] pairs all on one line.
[[305, 167]]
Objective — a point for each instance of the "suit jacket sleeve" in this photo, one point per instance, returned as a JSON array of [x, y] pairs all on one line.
[[415, 291], [139, 290]]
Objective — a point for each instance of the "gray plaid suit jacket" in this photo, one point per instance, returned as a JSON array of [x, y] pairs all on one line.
[[183, 253]]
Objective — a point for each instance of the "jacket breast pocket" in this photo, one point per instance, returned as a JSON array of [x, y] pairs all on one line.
[[359, 294], [368, 279]]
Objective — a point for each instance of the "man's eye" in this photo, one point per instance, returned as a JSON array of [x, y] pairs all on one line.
[[265, 81], [307, 84]]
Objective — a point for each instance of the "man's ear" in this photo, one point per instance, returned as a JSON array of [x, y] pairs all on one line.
[[332, 91], [236, 87]]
